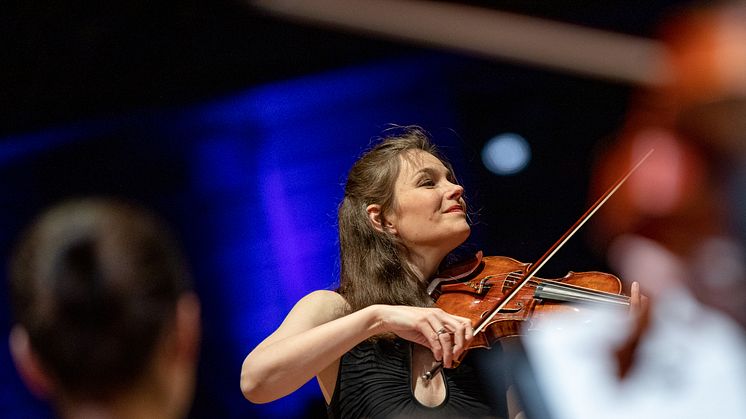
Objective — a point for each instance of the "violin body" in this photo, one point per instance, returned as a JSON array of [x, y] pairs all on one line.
[[474, 289]]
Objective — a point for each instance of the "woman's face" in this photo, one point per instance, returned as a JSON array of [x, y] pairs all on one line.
[[429, 210]]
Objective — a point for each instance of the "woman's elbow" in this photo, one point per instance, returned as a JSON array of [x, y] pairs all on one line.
[[251, 392], [251, 386], [255, 386]]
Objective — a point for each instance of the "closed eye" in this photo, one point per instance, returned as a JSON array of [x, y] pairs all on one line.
[[426, 182]]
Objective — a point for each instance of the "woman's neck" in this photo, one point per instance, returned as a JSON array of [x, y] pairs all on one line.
[[426, 263]]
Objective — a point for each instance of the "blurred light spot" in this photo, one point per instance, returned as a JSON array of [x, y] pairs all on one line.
[[506, 154]]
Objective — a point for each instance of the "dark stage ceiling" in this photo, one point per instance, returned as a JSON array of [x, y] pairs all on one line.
[[67, 60]]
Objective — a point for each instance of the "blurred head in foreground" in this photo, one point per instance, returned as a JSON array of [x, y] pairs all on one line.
[[105, 321], [680, 220]]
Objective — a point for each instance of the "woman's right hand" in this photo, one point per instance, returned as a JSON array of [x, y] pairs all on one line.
[[446, 335]]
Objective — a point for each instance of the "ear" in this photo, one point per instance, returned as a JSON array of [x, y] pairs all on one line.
[[27, 363], [377, 220], [188, 327]]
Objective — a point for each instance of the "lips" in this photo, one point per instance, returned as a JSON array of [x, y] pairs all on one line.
[[455, 208]]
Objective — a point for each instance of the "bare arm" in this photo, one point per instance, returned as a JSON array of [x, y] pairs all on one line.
[[313, 336]]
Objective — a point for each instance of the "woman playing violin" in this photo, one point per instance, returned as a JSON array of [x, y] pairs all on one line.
[[369, 343]]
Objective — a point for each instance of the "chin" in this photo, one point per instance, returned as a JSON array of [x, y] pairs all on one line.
[[461, 235]]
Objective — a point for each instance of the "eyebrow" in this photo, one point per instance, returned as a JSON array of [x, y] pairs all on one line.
[[432, 170]]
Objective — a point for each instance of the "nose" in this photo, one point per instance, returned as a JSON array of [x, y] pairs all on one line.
[[456, 192]]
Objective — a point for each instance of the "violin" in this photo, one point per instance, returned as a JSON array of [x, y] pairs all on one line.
[[485, 280], [500, 294]]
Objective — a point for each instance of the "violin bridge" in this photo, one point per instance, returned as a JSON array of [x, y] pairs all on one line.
[[481, 286]]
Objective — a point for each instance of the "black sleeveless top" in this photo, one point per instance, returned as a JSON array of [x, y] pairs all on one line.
[[374, 381]]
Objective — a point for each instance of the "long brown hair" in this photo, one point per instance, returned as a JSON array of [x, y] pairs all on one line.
[[374, 267]]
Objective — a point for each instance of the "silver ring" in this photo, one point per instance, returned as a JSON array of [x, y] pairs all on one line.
[[441, 331]]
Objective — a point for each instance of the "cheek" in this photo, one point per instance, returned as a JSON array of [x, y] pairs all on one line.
[[417, 208], [421, 209]]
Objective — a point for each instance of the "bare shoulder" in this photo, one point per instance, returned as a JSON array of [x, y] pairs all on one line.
[[325, 296], [322, 306], [313, 310]]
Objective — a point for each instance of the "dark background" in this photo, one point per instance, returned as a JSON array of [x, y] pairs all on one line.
[[239, 128], [66, 60]]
